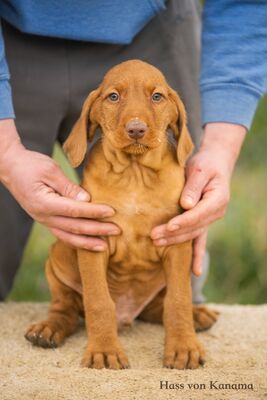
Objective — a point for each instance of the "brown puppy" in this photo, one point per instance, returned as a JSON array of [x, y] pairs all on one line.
[[135, 169]]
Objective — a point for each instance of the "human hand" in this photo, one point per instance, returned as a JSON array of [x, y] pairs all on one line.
[[206, 192], [49, 197]]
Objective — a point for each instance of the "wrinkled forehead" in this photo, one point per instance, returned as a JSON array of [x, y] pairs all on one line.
[[134, 75]]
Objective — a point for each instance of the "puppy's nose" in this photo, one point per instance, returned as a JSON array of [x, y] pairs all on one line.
[[136, 129]]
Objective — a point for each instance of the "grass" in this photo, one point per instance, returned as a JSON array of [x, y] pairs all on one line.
[[237, 244]]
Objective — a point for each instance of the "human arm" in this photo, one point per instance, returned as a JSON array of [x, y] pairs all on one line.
[[41, 188], [39, 185]]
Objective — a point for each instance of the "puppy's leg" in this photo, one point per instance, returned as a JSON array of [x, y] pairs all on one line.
[[63, 315], [104, 348], [182, 348]]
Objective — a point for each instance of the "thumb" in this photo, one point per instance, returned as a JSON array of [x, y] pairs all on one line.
[[196, 181], [66, 188]]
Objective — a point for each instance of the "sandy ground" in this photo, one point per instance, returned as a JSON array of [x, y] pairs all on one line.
[[236, 354]]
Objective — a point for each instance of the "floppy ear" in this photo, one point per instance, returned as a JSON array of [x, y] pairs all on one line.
[[76, 144], [179, 127]]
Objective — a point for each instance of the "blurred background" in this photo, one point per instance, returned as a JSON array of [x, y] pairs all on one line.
[[237, 244]]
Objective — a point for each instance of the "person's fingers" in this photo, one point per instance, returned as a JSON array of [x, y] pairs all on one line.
[[61, 206], [81, 226], [166, 241], [162, 231], [197, 179], [56, 179], [158, 231], [210, 208], [80, 241], [199, 248], [181, 226]]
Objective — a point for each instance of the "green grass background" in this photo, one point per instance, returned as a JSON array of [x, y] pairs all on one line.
[[237, 244]]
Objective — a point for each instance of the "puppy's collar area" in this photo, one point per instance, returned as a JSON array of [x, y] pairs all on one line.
[[151, 158]]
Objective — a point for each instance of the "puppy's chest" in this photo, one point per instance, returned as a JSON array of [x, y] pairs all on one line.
[[136, 217], [142, 199], [137, 211]]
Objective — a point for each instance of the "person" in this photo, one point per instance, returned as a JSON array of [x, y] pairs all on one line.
[[57, 53]]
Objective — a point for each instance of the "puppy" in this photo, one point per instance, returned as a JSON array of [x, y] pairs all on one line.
[[139, 171]]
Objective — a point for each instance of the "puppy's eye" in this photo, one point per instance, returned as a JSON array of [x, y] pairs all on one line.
[[114, 97], [156, 97]]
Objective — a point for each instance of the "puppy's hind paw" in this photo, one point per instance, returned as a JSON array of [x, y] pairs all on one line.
[[45, 334], [204, 317]]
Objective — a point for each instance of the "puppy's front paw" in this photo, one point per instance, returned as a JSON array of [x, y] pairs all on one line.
[[183, 354], [112, 358], [45, 334]]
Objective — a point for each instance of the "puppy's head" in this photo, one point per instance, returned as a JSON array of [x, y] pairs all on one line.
[[134, 106]]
